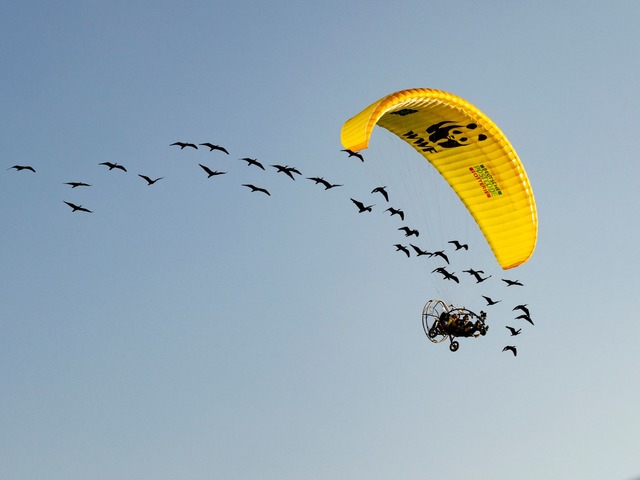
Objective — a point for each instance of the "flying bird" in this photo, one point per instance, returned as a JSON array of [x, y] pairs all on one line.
[[441, 254], [327, 185], [408, 231], [253, 161], [77, 184], [402, 248], [525, 317], [522, 307], [256, 189], [513, 331], [512, 349], [382, 191], [512, 282], [419, 251], [459, 245], [395, 211], [287, 170], [354, 154], [490, 301], [361, 207], [150, 181], [184, 144], [214, 147], [23, 167], [447, 275], [476, 274], [210, 172], [473, 272], [77, 208], [114, 165]]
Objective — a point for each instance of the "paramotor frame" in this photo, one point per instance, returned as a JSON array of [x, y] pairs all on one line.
[[441, 321]]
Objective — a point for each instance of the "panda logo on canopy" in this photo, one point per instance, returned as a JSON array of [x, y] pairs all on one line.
[[448, 134]]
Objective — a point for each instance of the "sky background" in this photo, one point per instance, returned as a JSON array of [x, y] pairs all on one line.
[[194, 329]]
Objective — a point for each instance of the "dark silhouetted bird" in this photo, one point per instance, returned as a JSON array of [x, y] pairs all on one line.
[[287, 170], [408, 231], [114, 165], [447, 275], [512, 349], [382, 191], [476, 274], [441, 254], [213, 147], [513, 331], [253, 161], [361, 207], [354, 154], [459, 245], [473, 272], [419, 251], [395, 211], [23, 167], [522, 307], [327, 185], [512, 282], [210, 172], [525, 317], [150, 181], [256, 189], [184, 144], [77, 208], [490, 301], [402, 248], [77, 184]]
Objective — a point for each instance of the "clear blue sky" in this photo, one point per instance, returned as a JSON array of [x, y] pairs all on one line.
[[193, 329]]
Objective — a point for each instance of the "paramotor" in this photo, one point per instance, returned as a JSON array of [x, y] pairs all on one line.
[[441, 321]]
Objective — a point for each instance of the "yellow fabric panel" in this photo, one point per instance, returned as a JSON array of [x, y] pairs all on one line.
[[471, 153]]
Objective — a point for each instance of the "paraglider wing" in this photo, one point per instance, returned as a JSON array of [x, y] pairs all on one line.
[[473, 156]]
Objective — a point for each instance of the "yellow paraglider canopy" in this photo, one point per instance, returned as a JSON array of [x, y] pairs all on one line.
[[471, 153]]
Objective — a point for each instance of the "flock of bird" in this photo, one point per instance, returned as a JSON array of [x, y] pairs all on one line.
[[362, 208], [442, 270]]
